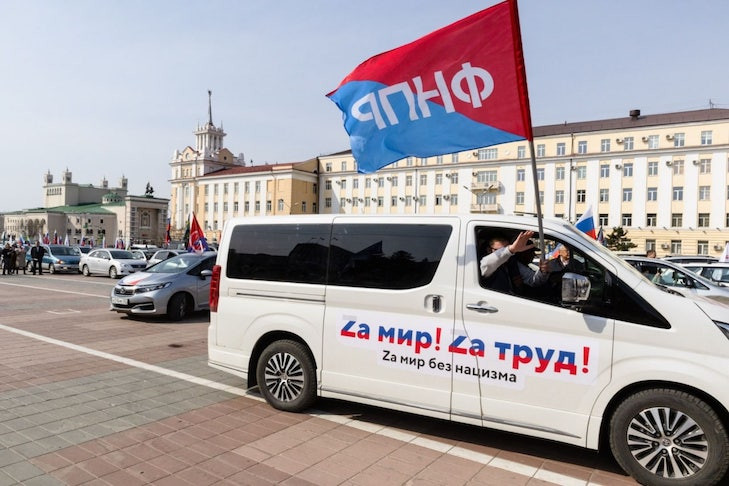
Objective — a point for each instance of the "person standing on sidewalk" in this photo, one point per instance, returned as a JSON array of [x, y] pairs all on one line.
[[20, 253], [36, 254], [8, 256]]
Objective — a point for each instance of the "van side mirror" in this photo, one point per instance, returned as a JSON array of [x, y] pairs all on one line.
[[575, 288]]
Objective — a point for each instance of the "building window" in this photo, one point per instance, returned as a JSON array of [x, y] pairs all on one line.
[[652, 141], [225, 206], [678, 167], [520, 174], [327, 202], [328, 167], [627, 170], [408, 200], [605, 170], [627, 219], [280, 205], [559, 173], [215, 207], [355, 184], [422, 200], [650, 245], [439, 178], [582, 172], [706, 137], [605, 145], [679, 140], [454, 199], [627, 194], [368, 183], [582, 147], [704, 193], [258, 186], [343, 183], [702, 247], [521, 152], [604, 195], [628, 143], [246, 206], [581, 195], [247, 187], [393, 181], [393, 201], [678, 193], [676, 247], [540, 174], [652, 194], [559, 197], [423, 161], [423, 179], [488, 154], [652, 168], [486, 176], [439, 160], [561, 148], [454, 158], [676, 220], [409, 162], [328, 185], [303, 205], [703, 221], [603, 219], [540, 150], [408, 180], [650, 219], [344, 165], [257, 207], [454, 177], [519, 198], [380, 182], [705, 166], [438, 200], [380, 201], [268, 206], [235, 206]]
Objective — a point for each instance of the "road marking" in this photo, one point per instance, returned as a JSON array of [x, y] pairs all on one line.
[[386, 431], [35, 287], [64, 312]]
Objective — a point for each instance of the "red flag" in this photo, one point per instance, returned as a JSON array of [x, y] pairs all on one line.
[[458, 88], [197, 243]]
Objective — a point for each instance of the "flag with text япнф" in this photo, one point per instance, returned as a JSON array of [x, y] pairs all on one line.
[[458, 88]]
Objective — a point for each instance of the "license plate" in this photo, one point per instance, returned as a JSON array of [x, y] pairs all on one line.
[[119, 301]]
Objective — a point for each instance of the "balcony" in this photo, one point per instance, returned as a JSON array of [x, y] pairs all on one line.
[[485, 208], [485, 186]]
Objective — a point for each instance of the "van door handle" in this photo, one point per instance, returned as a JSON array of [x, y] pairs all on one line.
[[482, 307]]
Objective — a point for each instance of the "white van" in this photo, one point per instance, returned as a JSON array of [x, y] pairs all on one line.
[[392, 311]]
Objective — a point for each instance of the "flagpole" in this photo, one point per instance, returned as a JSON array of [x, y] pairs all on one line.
[[535, 179]]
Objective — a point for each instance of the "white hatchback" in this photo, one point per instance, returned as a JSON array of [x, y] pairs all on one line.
[[114, 263]]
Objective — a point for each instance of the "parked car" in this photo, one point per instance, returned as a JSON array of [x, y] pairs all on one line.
[[82, 249], [716, 272], [139, 254], [161, 255], [176, 287], [57, 258], [681, 259], [678, 278], [107, 261]]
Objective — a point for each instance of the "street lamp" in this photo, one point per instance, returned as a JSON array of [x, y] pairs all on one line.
[[478, 199]]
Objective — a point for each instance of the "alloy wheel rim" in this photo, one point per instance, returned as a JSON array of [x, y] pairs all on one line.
[[284, 377], [667, 442]]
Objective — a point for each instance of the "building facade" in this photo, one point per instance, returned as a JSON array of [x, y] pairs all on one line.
[[663, 178]]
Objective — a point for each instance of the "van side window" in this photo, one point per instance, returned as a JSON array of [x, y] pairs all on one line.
[[279, 252], [386, 256]]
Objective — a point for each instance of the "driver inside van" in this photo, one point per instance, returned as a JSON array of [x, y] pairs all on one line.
[[503, 273]]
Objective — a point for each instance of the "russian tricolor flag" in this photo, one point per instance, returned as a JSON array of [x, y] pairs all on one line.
[[458, 88], [586, 224]]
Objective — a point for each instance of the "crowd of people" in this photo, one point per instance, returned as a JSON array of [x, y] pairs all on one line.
[[13, 258]]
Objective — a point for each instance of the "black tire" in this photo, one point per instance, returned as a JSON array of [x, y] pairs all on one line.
[[287, 376], [178, 307], [85, 271], [112, 272], [666, 437], [29, 267], [51, 268]]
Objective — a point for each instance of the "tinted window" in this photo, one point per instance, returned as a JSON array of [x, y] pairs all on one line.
[[387, 256], [282, 252]]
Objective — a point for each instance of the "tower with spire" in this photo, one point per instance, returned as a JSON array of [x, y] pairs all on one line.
[[208, 155]]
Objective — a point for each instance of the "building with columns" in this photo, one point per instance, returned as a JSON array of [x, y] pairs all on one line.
[[664, 178]]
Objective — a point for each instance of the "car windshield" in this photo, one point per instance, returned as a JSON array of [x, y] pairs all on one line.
[[122, 255], [177, 264], [63, 250]]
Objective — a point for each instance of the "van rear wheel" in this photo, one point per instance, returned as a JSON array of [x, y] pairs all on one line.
[[286, 376], [668, 437]]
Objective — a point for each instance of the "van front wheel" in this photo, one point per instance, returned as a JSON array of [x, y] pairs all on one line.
[[668, 437], [286, 376]]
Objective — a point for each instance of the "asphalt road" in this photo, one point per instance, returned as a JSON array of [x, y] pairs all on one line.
[[88, 396]]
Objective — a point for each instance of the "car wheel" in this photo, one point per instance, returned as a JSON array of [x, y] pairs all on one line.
[[51, 268], [29, 267], [287, 376], [668, 437], [113, 273], [85, 271], [178, 307]]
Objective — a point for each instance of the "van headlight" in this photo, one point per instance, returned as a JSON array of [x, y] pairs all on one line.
[[150, 288], [724, 327]]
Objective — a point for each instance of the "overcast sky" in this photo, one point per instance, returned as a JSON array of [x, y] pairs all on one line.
[[112, 88]]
